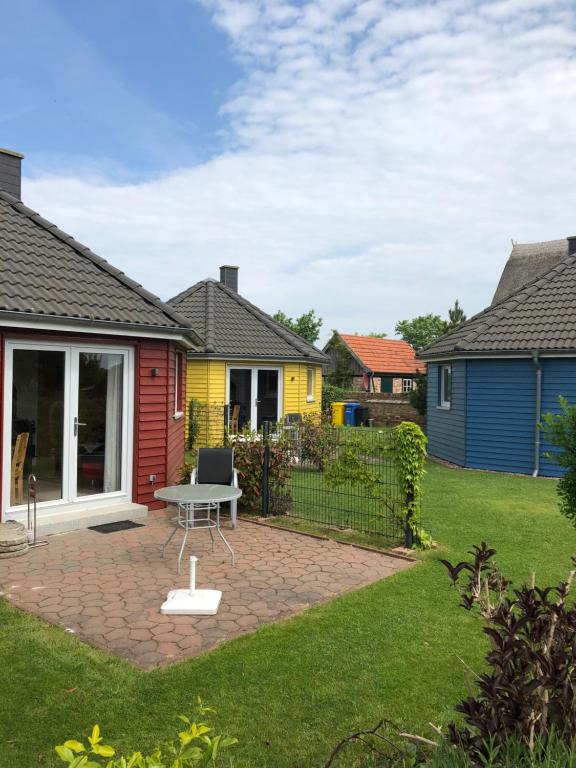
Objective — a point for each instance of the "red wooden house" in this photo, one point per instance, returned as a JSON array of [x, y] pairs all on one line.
[[92, 376]]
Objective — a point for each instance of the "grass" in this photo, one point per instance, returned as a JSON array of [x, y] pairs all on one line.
[[293, 689]]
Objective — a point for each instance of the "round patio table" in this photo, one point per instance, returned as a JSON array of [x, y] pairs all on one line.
[[196, 505]]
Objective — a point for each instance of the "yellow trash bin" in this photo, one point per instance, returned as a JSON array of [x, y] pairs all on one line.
[[338, 414]]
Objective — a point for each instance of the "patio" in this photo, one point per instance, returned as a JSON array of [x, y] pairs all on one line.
[[107, 588]]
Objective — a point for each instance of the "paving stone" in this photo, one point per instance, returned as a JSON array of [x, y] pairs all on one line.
[[112, 596]]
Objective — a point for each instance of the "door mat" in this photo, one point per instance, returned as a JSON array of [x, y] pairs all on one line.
[[122, 525]]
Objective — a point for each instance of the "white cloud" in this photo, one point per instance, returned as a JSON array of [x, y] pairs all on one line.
[[382, 154]]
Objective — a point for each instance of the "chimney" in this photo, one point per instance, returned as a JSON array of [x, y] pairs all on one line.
[[10, 173], [571, 245], [229, 276]]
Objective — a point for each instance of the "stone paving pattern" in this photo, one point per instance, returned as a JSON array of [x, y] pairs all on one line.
[[108, 588]]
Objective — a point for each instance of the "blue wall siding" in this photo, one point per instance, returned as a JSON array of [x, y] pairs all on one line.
[[446, 428], [558, 378], [500, 415]]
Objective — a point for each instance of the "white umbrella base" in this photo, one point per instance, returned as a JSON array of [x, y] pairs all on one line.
[[201, 602]]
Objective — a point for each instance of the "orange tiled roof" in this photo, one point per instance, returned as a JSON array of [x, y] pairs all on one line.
[[383, 355]]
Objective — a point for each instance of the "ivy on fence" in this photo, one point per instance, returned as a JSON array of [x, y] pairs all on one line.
[[410, 456]]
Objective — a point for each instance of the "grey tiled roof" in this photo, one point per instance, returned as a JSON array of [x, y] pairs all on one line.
[[233, 327], [539, 317], [526, 263], [45, 272]]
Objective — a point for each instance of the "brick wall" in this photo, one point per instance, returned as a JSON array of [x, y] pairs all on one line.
[[388, 410]]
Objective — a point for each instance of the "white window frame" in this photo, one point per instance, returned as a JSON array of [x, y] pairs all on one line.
[[254, 388], [407, 386], [178, 372], [310, 385], [444, 401], [70, 499]]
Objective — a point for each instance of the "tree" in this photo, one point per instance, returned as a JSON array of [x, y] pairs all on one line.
[[307, 325], [375, 335], [455, 316], [421, 330], [339, 374], [419, 394]]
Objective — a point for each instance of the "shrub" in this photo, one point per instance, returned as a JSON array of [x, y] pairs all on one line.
[[314, 440], [248, 460], [197, 745], [560, 431], [330, 394], [528, 694]]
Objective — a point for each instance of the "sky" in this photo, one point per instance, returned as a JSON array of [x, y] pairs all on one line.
[[369, 159]]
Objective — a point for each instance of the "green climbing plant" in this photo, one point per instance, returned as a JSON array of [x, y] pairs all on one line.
[[560, 431], [410, 456]]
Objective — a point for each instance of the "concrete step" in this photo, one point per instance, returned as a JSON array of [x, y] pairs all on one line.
[[84, 517]]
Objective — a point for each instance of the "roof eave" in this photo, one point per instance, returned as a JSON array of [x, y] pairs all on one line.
[[85, 322]]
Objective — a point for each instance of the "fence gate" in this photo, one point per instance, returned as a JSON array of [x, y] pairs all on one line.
[[344, 478]]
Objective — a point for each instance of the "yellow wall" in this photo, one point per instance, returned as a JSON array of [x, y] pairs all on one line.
[[206, 383]]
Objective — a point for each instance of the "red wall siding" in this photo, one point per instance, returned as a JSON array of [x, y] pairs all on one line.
[[4, 419], [175, 431], [159, 437]]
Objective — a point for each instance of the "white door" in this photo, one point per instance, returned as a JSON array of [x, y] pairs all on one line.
[[68, 417]]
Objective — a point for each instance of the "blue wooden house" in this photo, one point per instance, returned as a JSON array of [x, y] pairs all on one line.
[[492, 378]]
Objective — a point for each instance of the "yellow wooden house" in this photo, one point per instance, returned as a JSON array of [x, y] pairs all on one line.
[[251, 369]]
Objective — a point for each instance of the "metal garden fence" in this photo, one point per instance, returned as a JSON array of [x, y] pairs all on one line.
[[341, 477]]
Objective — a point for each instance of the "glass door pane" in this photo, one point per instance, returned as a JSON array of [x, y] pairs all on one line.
[[240, 398], [37, 423], [99, 423], [267, 397]]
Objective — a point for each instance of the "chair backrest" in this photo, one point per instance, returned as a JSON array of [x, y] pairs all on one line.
[[19, 453], [235, 418], [215, 465], [293, 418]]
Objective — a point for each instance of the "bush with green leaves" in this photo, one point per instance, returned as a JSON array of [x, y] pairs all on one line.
[[560, 431], [419, 395], [197, 746], [332, 394], [248, 460]]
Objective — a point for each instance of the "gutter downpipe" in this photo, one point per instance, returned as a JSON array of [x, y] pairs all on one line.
[[537, 363]]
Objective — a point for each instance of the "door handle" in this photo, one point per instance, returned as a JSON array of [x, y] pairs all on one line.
[[78, 424]]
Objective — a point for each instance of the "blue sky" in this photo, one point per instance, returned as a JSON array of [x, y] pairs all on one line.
[[128, 88], [370, 159]]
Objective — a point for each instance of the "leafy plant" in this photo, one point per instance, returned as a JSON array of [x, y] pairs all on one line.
[[528, 693], [197, 413], [314, 438], [331, 394], [560, 431], [248, 460], [410, 458], [197, 745]]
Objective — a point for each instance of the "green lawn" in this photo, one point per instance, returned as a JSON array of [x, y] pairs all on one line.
[[291, 690]]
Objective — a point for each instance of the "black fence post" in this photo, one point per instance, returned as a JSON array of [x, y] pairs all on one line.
[[408, 530], [265, 469]]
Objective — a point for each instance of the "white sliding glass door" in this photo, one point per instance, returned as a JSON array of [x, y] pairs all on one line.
[[68, 422]]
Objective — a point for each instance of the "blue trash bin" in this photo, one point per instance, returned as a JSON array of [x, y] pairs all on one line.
[[350, 413]]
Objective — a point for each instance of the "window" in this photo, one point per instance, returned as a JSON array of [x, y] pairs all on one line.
[[179, 385], [406, 385], [445, 389], [310, 388]]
